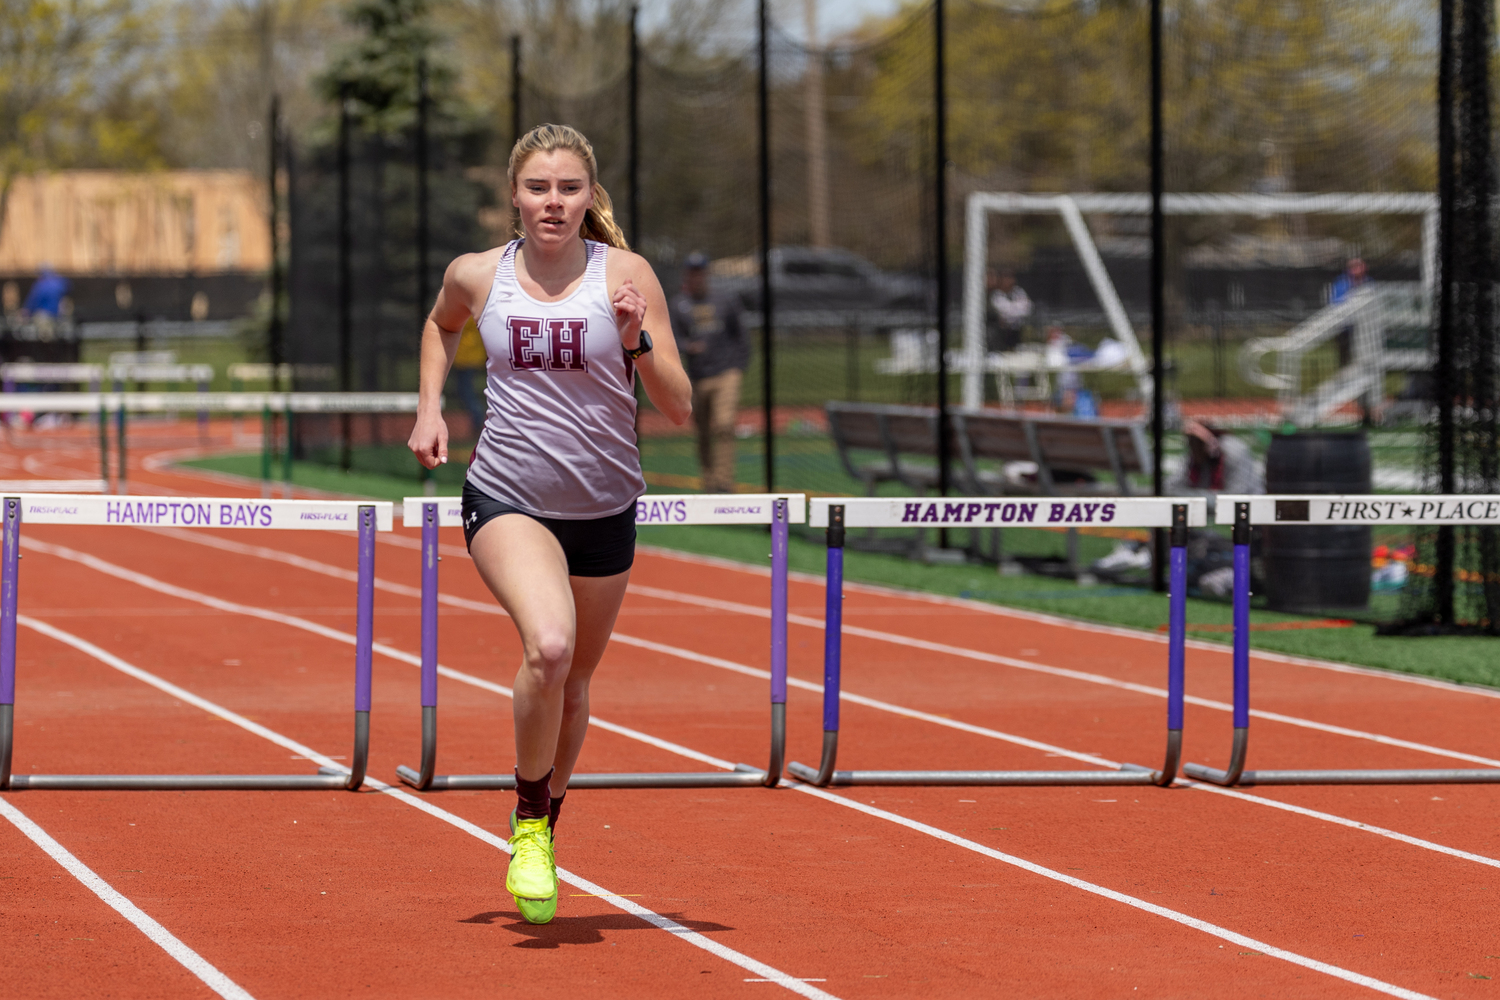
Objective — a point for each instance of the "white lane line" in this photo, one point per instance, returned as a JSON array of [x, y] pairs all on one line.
[[692, 937], [1057, 751], [767, 973], [735, 607], [1223, 933], [159, 935], [1076, 675], [745, 670], [1076, 624]]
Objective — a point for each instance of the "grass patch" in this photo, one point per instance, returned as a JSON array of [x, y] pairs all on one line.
[[1458, 658]]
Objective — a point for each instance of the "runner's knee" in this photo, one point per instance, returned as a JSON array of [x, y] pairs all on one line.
[[549, 654]]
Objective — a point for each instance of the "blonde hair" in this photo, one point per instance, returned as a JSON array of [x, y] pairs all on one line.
[[599, 221]]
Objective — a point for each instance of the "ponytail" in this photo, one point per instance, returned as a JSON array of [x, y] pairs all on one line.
[[599, 221]]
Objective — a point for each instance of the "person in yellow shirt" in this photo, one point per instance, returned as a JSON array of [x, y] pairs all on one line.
[[469, 361]]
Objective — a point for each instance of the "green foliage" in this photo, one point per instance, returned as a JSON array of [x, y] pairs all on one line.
[[72, 85], [380, 70]]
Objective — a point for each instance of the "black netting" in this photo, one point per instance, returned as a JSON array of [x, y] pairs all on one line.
[[383, 237], [1050, 97], [1458, 586]]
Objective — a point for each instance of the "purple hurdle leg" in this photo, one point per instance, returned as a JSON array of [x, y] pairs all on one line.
[[364, 637], [1176, 643], [9, 567], [420, 780], [1241, 643], [779, 531], [833, 629], [1232, 774]]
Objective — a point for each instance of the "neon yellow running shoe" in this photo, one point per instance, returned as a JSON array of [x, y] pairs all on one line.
[[532, 875]]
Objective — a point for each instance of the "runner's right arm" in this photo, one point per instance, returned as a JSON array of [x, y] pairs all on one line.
[[456, 302]]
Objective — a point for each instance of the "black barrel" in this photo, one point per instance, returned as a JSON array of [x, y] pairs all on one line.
[[1310, 569]]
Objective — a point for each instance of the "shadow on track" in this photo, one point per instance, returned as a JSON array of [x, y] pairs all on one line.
[[581, 930]]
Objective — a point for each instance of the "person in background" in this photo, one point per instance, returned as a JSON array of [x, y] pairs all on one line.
[[708, 333], [47, 294], [470, 361], [1354, 277], [1007, 309], [1216, 462]]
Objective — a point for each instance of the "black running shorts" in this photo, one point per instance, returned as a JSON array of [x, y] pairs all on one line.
[[600, 546]]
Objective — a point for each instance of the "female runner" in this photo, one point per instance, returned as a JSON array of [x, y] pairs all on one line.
[[549, 501]]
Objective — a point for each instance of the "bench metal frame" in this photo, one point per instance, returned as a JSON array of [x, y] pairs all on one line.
[[432, 513], [825, 775], [1382, 510], [368, 518]]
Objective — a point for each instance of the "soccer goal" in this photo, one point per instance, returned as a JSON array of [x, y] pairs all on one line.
[[1072, 209]]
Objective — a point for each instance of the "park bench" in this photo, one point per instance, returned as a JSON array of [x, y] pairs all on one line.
[[880, 443]]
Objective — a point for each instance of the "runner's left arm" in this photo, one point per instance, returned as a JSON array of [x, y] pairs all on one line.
[[641, 305]]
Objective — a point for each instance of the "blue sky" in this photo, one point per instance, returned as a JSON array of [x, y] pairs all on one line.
[[834, 16]]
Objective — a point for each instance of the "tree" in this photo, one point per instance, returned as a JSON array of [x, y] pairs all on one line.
[[71, 87], [379, 70]]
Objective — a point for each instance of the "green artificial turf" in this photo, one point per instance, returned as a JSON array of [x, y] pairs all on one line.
[[1474, 660]]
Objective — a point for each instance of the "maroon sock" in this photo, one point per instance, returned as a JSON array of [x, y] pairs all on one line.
[[533, 799], [555, 810]]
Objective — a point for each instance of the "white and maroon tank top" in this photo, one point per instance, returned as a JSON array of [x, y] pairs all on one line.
[[559, 434]]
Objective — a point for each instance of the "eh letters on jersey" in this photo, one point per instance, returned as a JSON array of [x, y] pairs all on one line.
[[543, 345], [1008, 513]]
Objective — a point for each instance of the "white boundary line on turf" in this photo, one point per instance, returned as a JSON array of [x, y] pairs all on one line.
[[277, 555], [688, 935], [740, 668], [112, 897], [1079, 624], [751, 965]]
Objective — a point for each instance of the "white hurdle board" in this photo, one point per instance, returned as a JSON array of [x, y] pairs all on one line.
[[1009, 512], [14, 487], [200, 512], [1363, 510], [668, 508]]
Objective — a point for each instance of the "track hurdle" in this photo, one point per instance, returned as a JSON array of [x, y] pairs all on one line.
[[1176, 513], [778, 510], [1379, 510], [364, 517]]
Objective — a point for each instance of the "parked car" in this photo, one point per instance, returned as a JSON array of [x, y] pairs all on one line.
[[820, 278]]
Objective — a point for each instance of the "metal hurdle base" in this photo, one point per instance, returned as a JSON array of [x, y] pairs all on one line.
[[743, 775], [1302, 510], [431, 513], [1236, 775], [825, 775], [327, 778], [1129, 774]]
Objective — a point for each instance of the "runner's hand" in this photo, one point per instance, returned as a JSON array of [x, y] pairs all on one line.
[[630, 313], [429, 440]]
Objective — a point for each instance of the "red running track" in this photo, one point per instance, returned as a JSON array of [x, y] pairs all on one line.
[[332, 894]]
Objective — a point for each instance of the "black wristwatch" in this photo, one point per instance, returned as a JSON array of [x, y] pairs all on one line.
[[644, 346]]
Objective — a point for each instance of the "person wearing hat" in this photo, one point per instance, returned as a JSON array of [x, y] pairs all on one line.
[[708, 333]]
